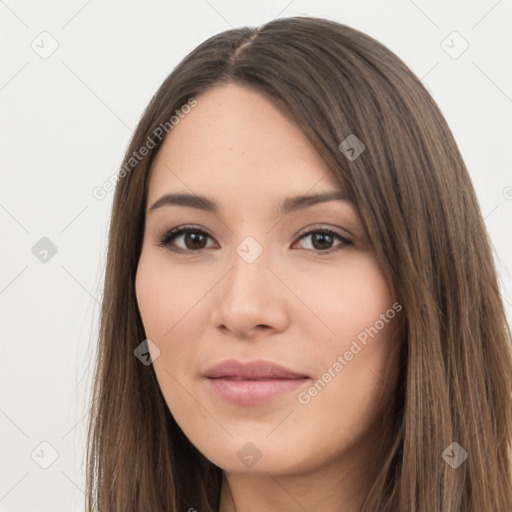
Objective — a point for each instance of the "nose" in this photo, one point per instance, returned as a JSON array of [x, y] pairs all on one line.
[[250, 300]]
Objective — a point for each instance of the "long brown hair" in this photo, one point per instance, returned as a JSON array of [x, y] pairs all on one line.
[[416, 200]]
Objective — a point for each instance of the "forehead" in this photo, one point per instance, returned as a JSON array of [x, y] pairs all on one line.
[[237, 141], [237, 147]]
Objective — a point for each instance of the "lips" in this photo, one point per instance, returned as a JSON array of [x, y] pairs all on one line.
[[252, 370], [252, 383]]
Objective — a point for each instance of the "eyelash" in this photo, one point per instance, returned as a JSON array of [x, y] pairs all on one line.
[[171, 235]]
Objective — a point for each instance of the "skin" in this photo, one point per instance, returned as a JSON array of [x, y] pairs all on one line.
[[291, 305]]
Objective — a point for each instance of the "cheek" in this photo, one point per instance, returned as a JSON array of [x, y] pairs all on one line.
[[173, 315], [348, 300], [165, 295], [353, 385], [150, 297], [356, 362], [168, 299]]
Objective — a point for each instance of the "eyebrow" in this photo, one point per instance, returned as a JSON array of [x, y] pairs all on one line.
[[288, 205]]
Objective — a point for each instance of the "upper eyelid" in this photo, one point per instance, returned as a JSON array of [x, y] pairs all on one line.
[[314, 227]]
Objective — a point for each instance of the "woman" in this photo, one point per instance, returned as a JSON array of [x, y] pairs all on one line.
[[301, 311]]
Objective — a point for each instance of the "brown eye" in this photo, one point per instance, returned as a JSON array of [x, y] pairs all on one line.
[[322, 240], [194, 239]]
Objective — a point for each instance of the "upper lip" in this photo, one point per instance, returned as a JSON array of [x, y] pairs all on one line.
[[255, 369]]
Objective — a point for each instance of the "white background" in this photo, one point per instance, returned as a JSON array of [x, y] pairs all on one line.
[[65, 124]]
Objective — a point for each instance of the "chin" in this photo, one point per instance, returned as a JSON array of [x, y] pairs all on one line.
[[255, 457]]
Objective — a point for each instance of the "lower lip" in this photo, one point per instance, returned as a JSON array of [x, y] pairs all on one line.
[[253, 392]]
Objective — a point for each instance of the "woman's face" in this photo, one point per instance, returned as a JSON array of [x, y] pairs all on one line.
[[253, 282]]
